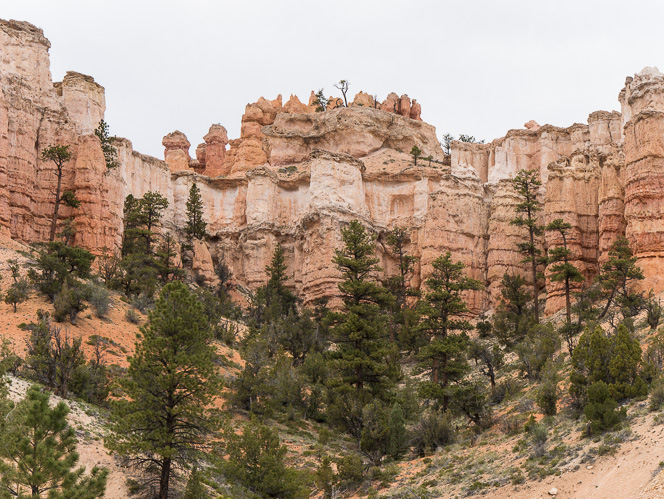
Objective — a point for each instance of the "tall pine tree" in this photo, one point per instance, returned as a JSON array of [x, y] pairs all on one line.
[[445, 327], [527, 184], [170, 384], [359, 330], [561, 269]]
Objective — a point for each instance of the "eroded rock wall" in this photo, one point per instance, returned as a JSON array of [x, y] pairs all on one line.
[[296, 176]]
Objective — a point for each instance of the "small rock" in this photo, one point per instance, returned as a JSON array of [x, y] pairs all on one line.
[[553, 491], [589, 467]]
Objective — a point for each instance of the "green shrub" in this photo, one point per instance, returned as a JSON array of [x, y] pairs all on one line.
[[350, 468], [602, 410], [547, 398]]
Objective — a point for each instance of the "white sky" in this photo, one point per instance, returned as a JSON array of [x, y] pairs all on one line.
[[476, 67]]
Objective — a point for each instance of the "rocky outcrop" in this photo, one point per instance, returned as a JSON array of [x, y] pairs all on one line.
[[296, 176], [215, 152], [642, 101], [355, 131], [176, 152]]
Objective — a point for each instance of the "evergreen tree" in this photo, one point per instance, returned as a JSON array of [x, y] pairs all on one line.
[[256, 460], [526, 183], [60, 155], [362, 349], [170, 384], [107, 147], [513, 319], [279, 300], [614, 360], [445, 327], [196, 226], [561, 269], [38, 454], [55, 263], [396, 443], [615, 278], [195, 488], [489, 357], [17, 293], [404, 316]]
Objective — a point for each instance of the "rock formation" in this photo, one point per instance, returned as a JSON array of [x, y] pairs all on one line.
[[295, 176]]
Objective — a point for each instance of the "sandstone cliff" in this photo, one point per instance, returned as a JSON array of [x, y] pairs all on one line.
[[295, 176]]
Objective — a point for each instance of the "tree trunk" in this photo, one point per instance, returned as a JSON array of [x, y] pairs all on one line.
[[56, 208], [446, 398], [534, 271], [165, 478]]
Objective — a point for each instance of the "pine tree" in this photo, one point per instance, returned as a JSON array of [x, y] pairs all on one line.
[[362, 349], [396, 443], [107, 147], [170, 383], [279, 300], [513, 319], [38, 454], [60, 155], [615, 279], [256, 460], [403, 316], [527, 184], [195, 488], [562, 270], [196, 226], [445, 326]]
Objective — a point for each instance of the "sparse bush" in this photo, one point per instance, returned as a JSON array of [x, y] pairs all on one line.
[[538, 437], [100, 299], [657, 395], [132, 316], [511, 425], [504, 391], [70, 301], [143, 302], [433, 430]]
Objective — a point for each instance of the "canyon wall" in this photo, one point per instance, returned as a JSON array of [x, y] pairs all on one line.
[[296, 176]]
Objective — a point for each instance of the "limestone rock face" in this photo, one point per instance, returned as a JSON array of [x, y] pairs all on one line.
[[295, 177], [84, 99]]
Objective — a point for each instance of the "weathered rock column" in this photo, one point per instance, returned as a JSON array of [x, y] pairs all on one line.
[[643, 99], [215, 151], [176, 152]]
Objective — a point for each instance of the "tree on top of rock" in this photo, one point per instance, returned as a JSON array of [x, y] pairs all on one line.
[[343, 85]]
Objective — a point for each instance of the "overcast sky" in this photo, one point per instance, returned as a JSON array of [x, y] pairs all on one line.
[[476, 67]]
